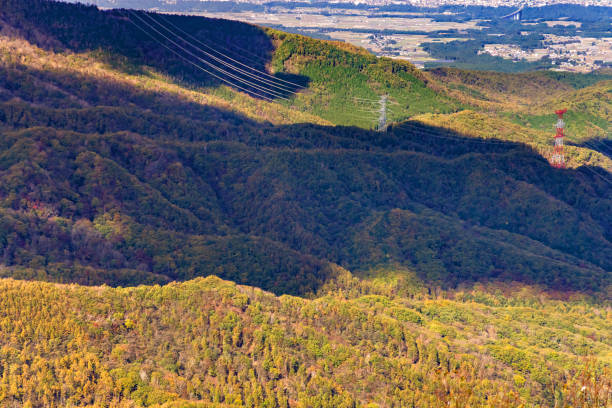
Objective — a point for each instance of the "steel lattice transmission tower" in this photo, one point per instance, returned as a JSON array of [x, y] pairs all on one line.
[[382, 120], [558, 158]]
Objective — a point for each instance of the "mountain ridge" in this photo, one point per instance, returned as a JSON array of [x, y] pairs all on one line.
[[190, 169], [212, 343]]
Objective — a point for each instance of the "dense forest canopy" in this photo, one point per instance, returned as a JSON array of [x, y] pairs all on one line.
[[108, 180], [381, 342]]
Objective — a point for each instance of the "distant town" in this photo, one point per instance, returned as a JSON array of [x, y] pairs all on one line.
[[566, 35], [438, 3], [416, 37], [567, 53]]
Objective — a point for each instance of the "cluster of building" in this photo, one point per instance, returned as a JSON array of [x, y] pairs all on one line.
[[567, 53], [438, 3], [510, 51], [492, 3]]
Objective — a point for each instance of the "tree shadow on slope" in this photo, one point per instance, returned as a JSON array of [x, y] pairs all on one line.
[[196, 50], [138, 187]]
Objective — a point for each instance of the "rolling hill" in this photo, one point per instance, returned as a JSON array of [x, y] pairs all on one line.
[[150, 178], [373, 342]]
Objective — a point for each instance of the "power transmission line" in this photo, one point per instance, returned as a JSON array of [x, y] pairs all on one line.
[[235, 77], [198, 58], [198, 66], [429, 133], [445, 134], [597, 148], [259, 86], [282, 87], [404, 125], [228, 57], [254, 55], [597, 174], [265, 87], [416, 128]]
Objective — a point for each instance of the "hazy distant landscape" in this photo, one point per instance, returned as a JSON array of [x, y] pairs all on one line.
[[567, 37], [424, 37]]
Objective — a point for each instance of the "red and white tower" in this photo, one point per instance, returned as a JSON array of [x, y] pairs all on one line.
[[558, 158]]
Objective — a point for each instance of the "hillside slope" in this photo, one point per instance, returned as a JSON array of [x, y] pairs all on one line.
[[379, 342], [124, 169], [530, 99]]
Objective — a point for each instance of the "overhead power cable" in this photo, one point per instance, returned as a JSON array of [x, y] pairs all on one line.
[[198, 66], [273, 93], [590, 144], [253, 54], [242, 80], [607, 180], [373, 101], [484, 141], [416, 128], [445, 135], [593, 171], [268, 82], [366, 99], [293, 84], [257, 81], [403, 126], [599, 147]]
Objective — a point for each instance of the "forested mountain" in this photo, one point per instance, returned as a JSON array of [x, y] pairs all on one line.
[[106, 178], [123, 163], [531, 98], [382, 342]]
